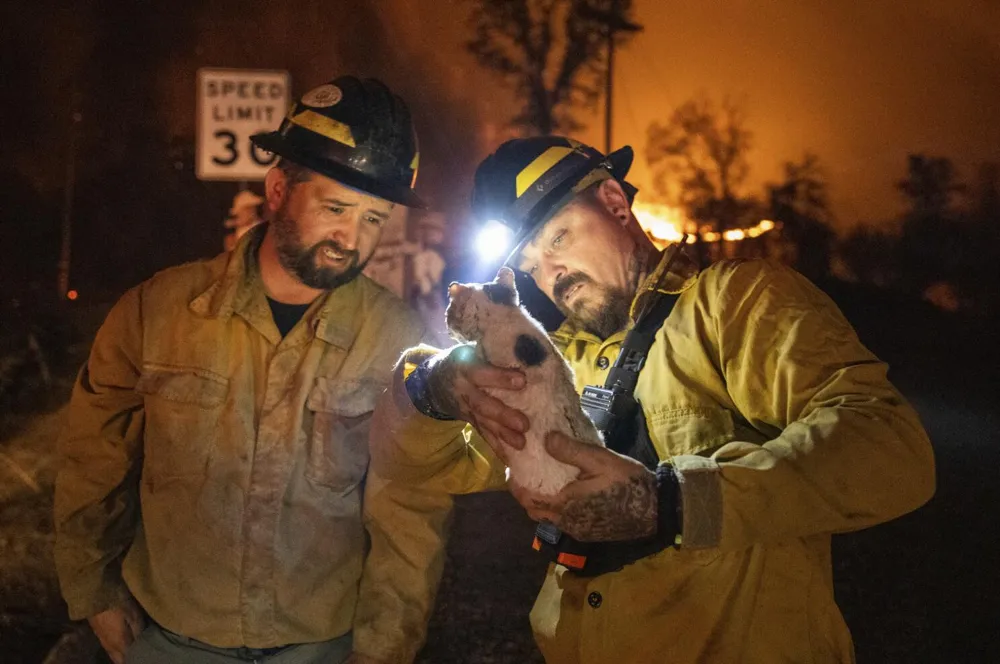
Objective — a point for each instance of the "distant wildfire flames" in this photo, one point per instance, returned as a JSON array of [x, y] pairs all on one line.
[[664, 224]]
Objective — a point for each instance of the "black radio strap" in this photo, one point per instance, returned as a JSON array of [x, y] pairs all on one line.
[[638, 341], [631, 435], [621, 420]]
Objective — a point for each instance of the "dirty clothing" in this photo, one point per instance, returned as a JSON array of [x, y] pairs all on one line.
[[783, 429], [213, 469]]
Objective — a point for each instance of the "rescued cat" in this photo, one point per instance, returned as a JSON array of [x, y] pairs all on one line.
[[505, 335]]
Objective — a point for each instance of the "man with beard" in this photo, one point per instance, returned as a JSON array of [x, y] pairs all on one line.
[[209, 504], [762, 423]]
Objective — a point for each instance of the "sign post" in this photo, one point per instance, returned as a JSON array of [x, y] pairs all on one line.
[[234, 104]]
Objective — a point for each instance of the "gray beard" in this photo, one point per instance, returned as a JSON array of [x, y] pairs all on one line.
[[610, 314], [605, 318]]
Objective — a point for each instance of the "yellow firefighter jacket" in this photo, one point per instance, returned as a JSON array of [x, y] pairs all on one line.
[[783, 429]]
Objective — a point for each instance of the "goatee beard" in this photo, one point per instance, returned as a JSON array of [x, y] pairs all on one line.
[[606, 316]]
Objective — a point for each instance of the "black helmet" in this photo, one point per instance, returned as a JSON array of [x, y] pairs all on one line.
[[527, 180], [356, 132]]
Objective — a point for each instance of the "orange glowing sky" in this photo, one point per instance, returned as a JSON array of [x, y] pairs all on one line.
[[860, 83]]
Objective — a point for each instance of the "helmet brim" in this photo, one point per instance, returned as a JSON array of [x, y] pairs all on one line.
[[274, 142], [621, 162]]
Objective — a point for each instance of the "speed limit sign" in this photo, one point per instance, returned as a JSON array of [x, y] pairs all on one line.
[[234, 104]]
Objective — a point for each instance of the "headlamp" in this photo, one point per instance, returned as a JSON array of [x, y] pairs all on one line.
[[494, 240]]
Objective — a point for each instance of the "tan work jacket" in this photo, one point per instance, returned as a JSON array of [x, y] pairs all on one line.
[[214, 470]]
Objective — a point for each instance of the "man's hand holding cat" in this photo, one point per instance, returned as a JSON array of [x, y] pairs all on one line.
[[457, 381], [614, 498]]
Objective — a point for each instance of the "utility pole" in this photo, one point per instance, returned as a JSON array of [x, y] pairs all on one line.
[[67, 217], [614, 21]]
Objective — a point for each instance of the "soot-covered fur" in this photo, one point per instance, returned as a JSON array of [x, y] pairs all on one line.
[[506, 336]]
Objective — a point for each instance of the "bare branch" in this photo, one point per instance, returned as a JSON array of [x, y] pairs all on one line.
[[701, 153]]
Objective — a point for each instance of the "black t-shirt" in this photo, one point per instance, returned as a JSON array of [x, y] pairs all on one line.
[[286, 315]]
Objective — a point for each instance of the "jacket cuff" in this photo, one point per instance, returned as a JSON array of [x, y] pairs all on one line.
[[88, 599], [405, 443], [418, 389], [701, 500], [401, 409]]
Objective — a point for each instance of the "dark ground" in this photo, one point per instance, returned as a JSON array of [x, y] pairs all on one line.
[[923, 588]]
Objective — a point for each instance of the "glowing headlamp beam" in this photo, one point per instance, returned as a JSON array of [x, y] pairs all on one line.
[[494, 240]]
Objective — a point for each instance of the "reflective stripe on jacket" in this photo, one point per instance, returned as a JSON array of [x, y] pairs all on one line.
[[783, 429]]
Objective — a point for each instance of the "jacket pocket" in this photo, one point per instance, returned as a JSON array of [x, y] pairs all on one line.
[[183, 409], [341, 416], [690, 429]]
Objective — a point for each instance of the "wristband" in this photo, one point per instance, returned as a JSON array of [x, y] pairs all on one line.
[[668, 515], [419, 391]]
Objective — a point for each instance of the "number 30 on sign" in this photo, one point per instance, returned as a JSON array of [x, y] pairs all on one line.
[[234, 104]]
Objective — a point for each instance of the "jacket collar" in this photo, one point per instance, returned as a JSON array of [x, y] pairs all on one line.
[[240, 290], [231, 291], [675, 272]]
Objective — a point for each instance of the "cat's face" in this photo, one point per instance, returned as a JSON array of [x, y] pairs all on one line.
[[473, 307]]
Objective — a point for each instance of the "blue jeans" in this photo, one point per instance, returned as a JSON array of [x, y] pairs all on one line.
[[159, 646]]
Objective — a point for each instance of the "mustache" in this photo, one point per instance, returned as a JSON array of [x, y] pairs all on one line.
[[563, 285], [352, 254]]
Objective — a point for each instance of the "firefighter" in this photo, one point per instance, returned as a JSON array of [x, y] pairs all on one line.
[[209, 502], [764, 427]]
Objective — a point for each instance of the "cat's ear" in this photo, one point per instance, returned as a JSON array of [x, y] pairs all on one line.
[[502, 290], [505, 277]]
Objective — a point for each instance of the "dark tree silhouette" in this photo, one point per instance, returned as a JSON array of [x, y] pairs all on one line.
[[976, 243], [550, 52], [987, 217], [928, 249], [929, 186], [699, 161], [868, 255], [949, 246], [800, 203], [987, 195]]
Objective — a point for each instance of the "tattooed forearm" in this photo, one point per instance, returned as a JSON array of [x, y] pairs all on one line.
[[625, 510]]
